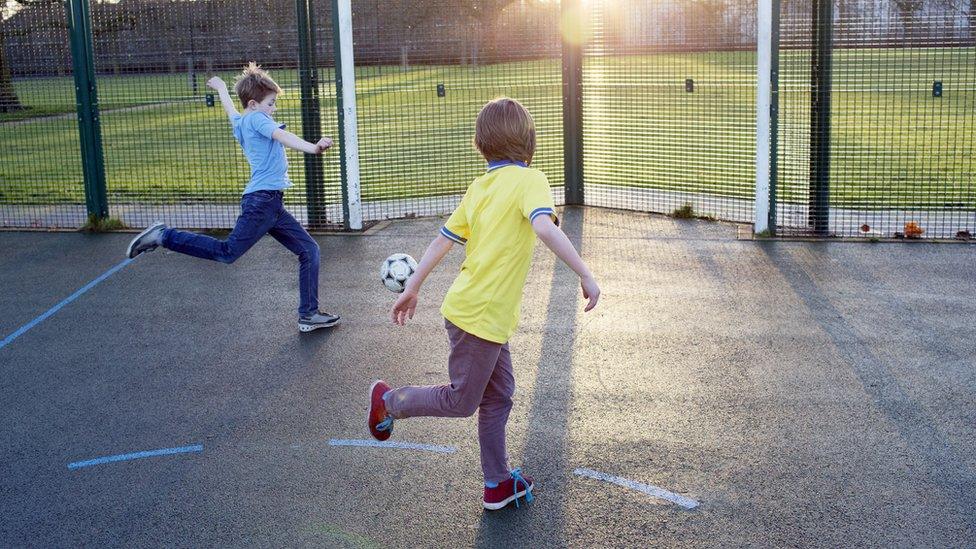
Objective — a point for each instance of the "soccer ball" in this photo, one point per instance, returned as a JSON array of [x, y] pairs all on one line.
[[396, 270]]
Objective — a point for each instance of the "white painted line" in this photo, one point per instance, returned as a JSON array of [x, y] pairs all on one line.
[[652, 491], [388, 444]]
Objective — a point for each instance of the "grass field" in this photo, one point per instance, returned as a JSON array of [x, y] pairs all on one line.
[[894, 144]]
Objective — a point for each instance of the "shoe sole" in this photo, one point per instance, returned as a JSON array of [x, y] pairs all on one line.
[[128, 251], [506, 501], [305, 328], [370, 408]]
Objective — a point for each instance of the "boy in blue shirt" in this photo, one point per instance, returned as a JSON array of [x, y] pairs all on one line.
[[262, 211]]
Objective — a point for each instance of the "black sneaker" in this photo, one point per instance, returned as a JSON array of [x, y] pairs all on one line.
[[146, 241], [316, 321]]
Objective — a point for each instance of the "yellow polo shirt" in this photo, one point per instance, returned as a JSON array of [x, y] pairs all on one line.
[[494, 223]]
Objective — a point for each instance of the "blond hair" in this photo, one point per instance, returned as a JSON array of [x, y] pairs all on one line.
[[254, 83], [505, 131]]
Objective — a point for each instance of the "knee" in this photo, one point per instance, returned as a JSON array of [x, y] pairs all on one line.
[[467, 409], [310, 252], [499, 404], [228, 254], [463, 406]]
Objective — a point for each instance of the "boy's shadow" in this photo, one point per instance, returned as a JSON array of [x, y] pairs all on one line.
[[312, 342], [509, 527], [546, 454]]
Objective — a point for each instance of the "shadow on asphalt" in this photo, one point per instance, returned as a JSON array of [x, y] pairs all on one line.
[[948, 467], [546, 456]]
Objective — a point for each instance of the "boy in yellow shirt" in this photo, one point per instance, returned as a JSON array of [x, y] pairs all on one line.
[[497, 222]]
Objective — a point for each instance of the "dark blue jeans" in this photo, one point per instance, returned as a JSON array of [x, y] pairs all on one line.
[[262, 212]]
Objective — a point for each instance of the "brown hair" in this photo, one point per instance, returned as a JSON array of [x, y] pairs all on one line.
[[254, 83], [505, 131]]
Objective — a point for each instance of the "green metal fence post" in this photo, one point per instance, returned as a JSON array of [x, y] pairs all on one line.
[[821, 69], [572, 65], [86, 95], [311, 114]]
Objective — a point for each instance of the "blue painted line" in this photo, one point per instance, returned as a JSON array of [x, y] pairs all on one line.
[[136, 455], [20, 331], [389, 444]]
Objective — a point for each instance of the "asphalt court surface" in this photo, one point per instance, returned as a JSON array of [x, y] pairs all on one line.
[[804, 394]]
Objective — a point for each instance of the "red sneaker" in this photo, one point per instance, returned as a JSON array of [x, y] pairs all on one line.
[[509, 491], [379, 423]]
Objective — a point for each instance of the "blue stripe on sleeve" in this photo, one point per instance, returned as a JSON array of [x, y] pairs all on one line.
[[540, 211], [453, 236]]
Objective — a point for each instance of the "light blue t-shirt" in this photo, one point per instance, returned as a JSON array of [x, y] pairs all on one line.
[[269, 166]]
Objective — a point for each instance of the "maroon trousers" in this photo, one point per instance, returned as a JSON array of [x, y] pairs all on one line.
[[482, 380]]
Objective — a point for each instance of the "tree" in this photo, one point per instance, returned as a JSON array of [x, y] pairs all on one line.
[[9, 102], [960, 8], [482, 14], [906, 12], [405, 18]]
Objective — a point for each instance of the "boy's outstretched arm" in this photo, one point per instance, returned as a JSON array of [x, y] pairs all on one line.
[[292, 141], [220, 86], [406, 304], [559, 243]]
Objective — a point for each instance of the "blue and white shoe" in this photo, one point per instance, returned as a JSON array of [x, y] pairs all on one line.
[[146, 241], [316, 321]]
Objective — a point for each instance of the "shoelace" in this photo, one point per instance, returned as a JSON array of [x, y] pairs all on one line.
[[517, 477], [385, 425]]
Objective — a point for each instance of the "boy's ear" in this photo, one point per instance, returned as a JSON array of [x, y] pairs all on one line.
[[251, 102]]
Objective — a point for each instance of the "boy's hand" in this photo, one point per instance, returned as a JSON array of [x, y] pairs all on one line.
[[404, 307], [590, 291], [323, 145], [217, 84]]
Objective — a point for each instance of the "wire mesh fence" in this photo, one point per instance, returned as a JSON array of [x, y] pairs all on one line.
[[669, 107], [168, 150], [902, 120], [424, 70], [40, 156], [875, 135]]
